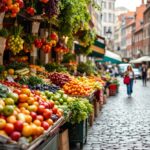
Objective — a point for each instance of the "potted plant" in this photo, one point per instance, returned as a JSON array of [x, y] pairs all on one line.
[[3, 36]]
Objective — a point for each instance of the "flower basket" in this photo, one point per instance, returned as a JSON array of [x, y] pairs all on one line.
[[1, 19], [112, 89], [2, 48]]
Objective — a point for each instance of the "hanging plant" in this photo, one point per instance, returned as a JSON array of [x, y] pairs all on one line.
[[15, 42]]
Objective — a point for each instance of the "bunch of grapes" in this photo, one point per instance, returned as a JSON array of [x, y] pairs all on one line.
[[52, 8], [15, 44]]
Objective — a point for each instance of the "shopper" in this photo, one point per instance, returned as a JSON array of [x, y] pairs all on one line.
[[130, 74], [144, 74]]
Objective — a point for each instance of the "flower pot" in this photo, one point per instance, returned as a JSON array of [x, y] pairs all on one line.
[[2, 48], [1, 19], [35, 27]]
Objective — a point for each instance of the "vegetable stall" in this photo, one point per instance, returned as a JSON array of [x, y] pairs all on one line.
[[39, 90]]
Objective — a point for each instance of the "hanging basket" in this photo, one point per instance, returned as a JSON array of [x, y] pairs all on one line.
[[35, 27], [2, 15], [2, 48]]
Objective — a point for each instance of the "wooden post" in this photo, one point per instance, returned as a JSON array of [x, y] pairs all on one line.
[[35, 30], [1, 19], [2, 48]]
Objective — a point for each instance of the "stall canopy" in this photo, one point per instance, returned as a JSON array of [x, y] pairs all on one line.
[[98, 48], [111, 57], [140, 60]]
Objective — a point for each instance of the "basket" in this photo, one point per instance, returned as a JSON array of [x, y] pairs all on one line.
[[112, 89]]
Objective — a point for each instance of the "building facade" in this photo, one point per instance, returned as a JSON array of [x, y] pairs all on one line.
[[146, 31]]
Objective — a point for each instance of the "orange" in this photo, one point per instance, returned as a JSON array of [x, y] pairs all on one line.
[[40, 130], [2, 123], [50, 122], [28, 118], [23, 98], [11, 71], [31, 100], [27, 131], [24, 105], [37, 122], [26, 91], [11, 119]]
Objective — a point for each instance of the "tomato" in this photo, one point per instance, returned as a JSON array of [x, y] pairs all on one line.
[[17, 91], [31, 100], [23, 98], [40, 131], [9, 128], [18, 125], [41, 109], [47, 113], [33, 115], [2, 123], [45, 125], [40, 117], [54, 109]]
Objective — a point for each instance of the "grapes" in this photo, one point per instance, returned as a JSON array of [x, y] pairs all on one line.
[[15, 44]]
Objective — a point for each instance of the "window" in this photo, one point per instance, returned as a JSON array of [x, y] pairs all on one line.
[[104, 5], [114, 18], [105, 17], [110, 5], [109, 17], [105, 30]]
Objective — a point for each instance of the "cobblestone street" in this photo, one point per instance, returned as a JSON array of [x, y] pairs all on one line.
[[124, 123]]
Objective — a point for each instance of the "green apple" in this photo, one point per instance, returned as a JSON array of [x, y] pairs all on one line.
[[14, 96]]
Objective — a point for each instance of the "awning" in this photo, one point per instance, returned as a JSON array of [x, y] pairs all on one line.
[[141, 59], [111, 57], [98, 48]]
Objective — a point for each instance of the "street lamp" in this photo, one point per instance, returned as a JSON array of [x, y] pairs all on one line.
[[108, 34]]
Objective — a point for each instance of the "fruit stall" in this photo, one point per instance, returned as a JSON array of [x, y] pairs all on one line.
[[40, 89]]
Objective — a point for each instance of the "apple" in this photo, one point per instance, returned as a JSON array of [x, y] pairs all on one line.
[[18, 125], [46, 105], [45, 125], [33, 115], [41, 109], [40, 117], [47, 113], [51, 104], [14, 96], [9, 128], [54, 109], [15, 135], [21, 117]]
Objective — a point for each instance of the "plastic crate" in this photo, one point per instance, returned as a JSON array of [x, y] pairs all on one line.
[[78, 133]]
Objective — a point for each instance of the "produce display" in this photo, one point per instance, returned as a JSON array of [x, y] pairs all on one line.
[[59, 78], [26, 114], [80, 108], [77, 88]]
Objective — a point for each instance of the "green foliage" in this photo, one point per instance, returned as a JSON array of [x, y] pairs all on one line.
[[17, 65], [68, 57], [4, 32], [87, 68], [2, 68], [80, 110], [55, 67]]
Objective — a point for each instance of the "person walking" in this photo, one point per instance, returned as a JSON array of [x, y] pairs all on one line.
[[144, 74], [130, 74]]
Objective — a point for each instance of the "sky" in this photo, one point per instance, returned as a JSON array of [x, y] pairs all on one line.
[[130, 4]]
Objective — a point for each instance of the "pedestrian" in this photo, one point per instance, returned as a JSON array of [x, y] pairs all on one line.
[[116, 71], [130, 74], [148, 73], [144, 74]]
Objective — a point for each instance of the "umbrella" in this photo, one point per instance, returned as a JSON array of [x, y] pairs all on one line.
[[140, 60]]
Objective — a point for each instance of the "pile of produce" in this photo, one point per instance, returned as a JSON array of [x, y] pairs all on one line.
[[80, 108], [3, 91], [91, 82], [59, 78], [45, 87], [55, 67], [26, 114], [77, 88]]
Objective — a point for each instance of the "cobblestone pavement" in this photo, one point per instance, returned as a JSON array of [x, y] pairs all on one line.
[[124, 123]]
